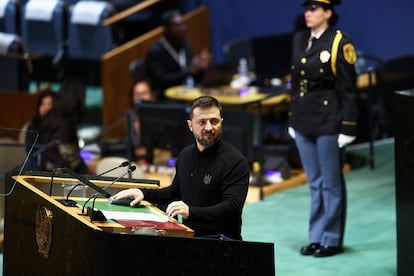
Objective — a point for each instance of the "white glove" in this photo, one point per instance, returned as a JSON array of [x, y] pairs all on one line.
[[344, 140], [291, 132]]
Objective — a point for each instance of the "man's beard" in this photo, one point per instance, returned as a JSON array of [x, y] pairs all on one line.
[[207, 143]]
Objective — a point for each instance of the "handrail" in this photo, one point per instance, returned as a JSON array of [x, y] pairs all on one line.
[[130, 11]]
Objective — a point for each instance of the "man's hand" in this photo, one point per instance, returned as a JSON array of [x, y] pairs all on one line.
[[201, 61], [178, 208], [136, 194]]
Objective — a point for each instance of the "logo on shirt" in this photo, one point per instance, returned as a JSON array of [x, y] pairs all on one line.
[[207, 179]]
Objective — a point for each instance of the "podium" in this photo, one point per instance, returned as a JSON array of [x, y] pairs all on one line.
[[404, 188], [44, 237]]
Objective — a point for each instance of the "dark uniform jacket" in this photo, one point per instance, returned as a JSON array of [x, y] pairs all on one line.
[[323, 94]]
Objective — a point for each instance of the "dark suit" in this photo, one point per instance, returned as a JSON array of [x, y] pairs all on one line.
[[164, 70], [324, 105]]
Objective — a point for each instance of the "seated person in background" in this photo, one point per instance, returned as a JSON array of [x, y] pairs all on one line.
[[170, 61], [141, 92], [211, 181], [58, 131]]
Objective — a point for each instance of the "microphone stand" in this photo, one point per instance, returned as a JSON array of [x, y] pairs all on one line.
[[68, 202], [83, 180], [97, 215], [72, 203], [123, 164]]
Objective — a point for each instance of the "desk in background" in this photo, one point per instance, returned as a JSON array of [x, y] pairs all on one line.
[[229, 97]]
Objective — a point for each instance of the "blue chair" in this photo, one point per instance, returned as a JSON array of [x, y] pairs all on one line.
[[14, 68], [88, 39], [9, 15], [44, 26], [44, 32]]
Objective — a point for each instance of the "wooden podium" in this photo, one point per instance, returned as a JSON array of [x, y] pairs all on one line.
[[44, 237]]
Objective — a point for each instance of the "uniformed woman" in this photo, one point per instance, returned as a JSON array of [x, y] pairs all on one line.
[[323, 115]]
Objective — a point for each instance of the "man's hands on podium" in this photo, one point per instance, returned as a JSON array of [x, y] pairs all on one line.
[[136, 194], [174, 209]]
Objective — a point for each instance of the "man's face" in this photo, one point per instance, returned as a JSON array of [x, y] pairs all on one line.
[[177, 29], [142, 91], [206, 126]]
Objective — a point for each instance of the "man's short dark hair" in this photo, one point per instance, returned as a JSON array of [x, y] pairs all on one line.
[[205, 102], [167, 17]]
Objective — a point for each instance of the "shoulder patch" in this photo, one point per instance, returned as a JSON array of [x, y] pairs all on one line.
[[349, 53]]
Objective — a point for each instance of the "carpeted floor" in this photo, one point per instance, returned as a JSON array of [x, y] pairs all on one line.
[[370, 237]]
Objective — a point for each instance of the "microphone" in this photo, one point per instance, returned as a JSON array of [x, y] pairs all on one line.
[[123, 164], [97, 215], [72, 203], [83, 180], [130, 170]]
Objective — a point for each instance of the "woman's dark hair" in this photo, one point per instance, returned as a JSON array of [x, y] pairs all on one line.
[[205, 102], [72, 92], [37, 119], [334, 18]]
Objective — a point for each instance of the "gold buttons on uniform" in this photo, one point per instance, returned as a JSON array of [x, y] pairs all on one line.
[[325, 102], [302, 72], [303, 60], [303, 87], [321, 70]]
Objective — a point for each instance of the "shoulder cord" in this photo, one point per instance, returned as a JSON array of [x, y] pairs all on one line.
[[335, 47]]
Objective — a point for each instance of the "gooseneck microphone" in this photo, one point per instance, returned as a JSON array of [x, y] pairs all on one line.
[[84, 181], [130, 170], [123, 164], [97, 215], [72, 203]]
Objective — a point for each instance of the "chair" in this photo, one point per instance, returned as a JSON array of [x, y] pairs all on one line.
[[259, 51], [236, 49], [14, 68], [9, 15], [137, 70], [87, 38], [43, 28], [110, 162]]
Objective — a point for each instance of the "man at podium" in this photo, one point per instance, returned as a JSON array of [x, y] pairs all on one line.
[[211, 181]]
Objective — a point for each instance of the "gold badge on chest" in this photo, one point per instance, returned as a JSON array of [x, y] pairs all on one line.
[[324, 56]]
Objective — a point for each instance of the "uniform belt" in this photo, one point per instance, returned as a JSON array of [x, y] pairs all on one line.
[[311, 86]]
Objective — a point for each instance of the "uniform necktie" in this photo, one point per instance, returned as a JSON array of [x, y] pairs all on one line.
[[311, 40]]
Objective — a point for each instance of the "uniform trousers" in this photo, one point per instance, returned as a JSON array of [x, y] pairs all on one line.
[[322, 161]]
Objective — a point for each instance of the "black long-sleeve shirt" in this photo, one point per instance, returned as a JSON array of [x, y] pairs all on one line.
[[214, 184]]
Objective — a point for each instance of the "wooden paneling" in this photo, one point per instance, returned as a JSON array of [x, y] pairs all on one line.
[[17, 108]]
